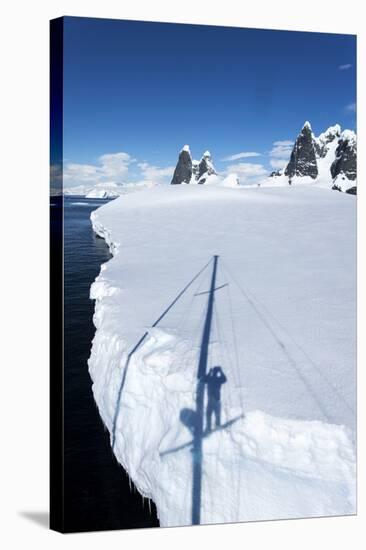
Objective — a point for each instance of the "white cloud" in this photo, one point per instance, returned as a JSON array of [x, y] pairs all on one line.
[[278, 164], [281, 149], [115, 165], [241, 156], [351, 107], [247, 172], [345, 67], [280, 153], [80, 173], [111, 168], [155, 174]]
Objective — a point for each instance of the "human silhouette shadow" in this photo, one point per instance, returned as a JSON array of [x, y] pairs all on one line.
[[214, 379], [189, 419]]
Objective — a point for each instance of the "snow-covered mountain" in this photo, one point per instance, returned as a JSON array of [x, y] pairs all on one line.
[[329, 160], [303, 155], [98, 191], [344, 167], [106, 190], [184, 170], [190, 171]]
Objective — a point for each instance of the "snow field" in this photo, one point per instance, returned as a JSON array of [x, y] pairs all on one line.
[[283, 332]]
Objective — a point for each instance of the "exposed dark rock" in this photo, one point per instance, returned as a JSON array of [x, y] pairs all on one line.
[[336, 188], [183, 170], [321, 143], [195, 168], [345, 163], [303, 156], [205, 168], [333, 155], [352, 190], [320, 149]]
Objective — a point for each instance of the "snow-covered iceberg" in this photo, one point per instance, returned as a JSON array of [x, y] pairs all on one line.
[[284, 334], [100, 194]]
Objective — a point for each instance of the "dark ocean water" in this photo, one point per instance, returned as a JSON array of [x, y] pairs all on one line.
[[97, 491]]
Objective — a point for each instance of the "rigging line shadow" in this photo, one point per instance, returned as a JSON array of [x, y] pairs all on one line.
[[310, 360], [299, 347], [247, 294], [204, 435], [198, 413], [134, 349], [285, 351]]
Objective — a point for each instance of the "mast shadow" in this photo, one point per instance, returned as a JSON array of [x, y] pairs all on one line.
[[204, 435], [138, 345]]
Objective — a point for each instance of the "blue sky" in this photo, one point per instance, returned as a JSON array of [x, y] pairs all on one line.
[[135, 93]]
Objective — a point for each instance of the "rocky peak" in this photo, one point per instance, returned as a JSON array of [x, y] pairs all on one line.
[[206, 167], [193, 171], [331, 133], [345, 163], [330, 158], [183, 170], [323, 141], [303, 156]]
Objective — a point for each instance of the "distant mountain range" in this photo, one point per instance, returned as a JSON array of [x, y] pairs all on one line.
[[105, 190], [329, 159]]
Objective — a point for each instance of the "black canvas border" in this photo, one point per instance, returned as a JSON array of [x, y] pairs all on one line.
[[56, 278]]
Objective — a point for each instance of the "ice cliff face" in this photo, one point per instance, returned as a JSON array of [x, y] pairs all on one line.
[[329, 160]]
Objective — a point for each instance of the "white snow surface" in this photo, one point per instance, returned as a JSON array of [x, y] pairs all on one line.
[[100, 194], [283, 332], [231, 180], [349, 135]]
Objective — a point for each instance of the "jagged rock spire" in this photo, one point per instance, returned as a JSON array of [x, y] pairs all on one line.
[[206, 167], [183, 170], [303, 156], [193, 171], [321, 143], [345, 163]]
